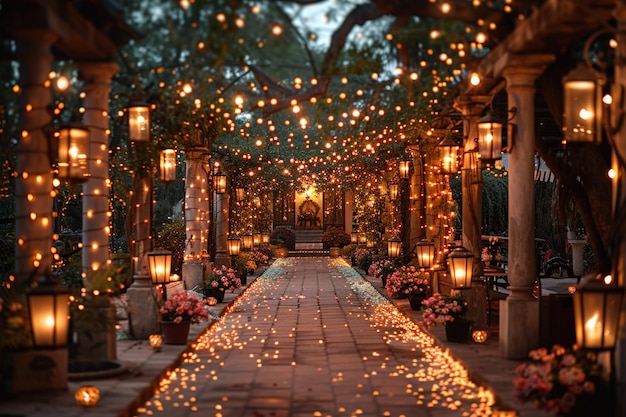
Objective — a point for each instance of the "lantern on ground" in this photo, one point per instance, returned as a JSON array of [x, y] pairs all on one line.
[[265, 238], [425, 250], [393, 191], [449, 151], [582, 105], [73, 151], [138, 121], [234, 245], [160, 264], [597, 309], [247, 241], [48, 309], [219, 183], [394, 247], [167, 168], [490, 138], [155, 340], [87, 396], [461, 263], [256, 238], [479, 336], [404, 167]]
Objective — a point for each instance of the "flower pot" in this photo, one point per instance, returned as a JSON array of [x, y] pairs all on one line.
[[458, 330], [175, 333], [416, 300], [217, 293]]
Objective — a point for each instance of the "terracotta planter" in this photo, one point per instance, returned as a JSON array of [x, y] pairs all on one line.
[[216, 293], [416, 301], [175, 333], [458, 330]]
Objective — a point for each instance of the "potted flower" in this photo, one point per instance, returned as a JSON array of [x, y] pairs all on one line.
[[450, 311], [220, 280], [335, 238], [567, 382], [382, 269], [177, 314], [409, 282]]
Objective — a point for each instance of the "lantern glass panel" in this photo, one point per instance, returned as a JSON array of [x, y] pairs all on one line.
[[393, 191], [449, 152], [48, 308], [582, 95], [219, 182], [404, 166], [160, 263], [425, 253], [489, 139], [265, 238], [139, 122], [461, 263], [247, 241], [394, 247], [73, 152], [256, 238], [234, 246], [168, 166], [596, 315], [354, 237]]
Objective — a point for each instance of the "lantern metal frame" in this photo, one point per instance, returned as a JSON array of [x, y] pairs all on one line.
[[167, 166], [73, 152], [597, 308], [461, 265], [138, 120], [48, 312]]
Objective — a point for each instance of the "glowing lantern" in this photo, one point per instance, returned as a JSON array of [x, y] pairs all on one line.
[[265, 238], [73, 152], [219, 183], [167, 166], [597, 309], [479, 336], [394, 247], [160, 263], [393, 191], [49, 310], [156, 340], [256, 238], [461, 263], [490, 138], [240, 193], [362, 238], [87, 395], [247, 241], [404, 167], [449, 155], [211, 301], [582, 105], [138, 121], [425, 250], [354, 237], [234, 245]]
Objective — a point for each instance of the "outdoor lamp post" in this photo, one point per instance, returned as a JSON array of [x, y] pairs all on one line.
[[219, 183], [265, 238], [256, 238], [167, 168], [247, 241], [404, 167], [449, 155], [49, 310], [597, 309], [582, 105], [425, 250], [234, 245], [138, 121], [73, 151], [394, 247], [490, 138], [461, 262], [160, 263]]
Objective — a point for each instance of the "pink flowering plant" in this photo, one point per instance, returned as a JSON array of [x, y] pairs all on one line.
[[567, 382], [223, 278], [182, 307], [259, 256], [440, 309], [406, 281]]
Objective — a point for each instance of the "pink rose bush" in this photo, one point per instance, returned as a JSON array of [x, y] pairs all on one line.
[[223, 278], [183, 307], [567, 382], [408, 280], [440, 309]]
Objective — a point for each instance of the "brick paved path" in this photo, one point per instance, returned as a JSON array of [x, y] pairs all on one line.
[[310, 338]]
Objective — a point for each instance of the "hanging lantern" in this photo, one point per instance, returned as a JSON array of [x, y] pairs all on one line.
[[597, 309], [234, 245], [240, 193], [449, 155], [425, 250], [265, 238], [219, 182], [461, 263], [160, 264], [49, 310], [490, 138], [256, 238], [167, 166], [138, 121], [404, 167], [393, 191], [73, 152], [87, 396], [394, 247], [582, 105], [247, 241]]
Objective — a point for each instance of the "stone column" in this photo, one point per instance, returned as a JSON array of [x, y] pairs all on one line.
[[33, 182], [96, 229], [196, 195], [222, 202], [519, 313]]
